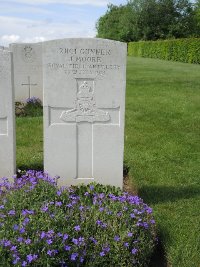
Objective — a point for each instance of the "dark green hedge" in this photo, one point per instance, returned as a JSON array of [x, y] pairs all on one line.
[[183, 50]]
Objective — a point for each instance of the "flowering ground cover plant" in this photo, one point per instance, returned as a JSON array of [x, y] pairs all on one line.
[[32, 107], [90, 225]]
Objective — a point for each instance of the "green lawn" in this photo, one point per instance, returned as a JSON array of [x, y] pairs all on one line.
[[162, 150]]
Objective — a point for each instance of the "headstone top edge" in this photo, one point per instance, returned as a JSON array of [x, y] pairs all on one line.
[[86, 39], [15, 44]]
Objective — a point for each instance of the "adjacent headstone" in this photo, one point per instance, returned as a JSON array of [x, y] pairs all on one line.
[[27, 60], [84, 104], [7, 124]]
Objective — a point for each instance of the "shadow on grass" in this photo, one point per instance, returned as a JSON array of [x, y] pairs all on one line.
[[153, 194], [158, 258], [32, 166]]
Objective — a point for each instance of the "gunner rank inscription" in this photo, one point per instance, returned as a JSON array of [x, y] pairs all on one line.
[[88, 61]]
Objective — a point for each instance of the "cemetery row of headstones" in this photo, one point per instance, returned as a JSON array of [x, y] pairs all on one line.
[[82, 85]]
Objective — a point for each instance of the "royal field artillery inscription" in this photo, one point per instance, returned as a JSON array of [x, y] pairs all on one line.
[[84, 95]]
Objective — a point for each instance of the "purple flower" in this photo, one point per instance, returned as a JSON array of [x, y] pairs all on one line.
[[74, 256], [91, 187], [45, 208], [52, 252], [145, 225], [98, 222], [130, 234], [27, 241], [50, 233], [149, 210], [58, 203], [126, 244], [77, 228], [49, 241], [22, 230], [59, 193], [20, 239], [116, 238], [75, 241], [65, 237], [27, 212], [15, 227], [7, 243], [42, 235], [134, 251], [15, 261], [106, 249], [26, 221], [93, 240], [11, 212], [102, 253], [31, 257], [104, 225], [132, 215], [13, 248], [24, 263], [67, 248], [1, 207], [59, 234]]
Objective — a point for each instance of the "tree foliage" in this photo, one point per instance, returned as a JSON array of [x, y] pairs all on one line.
[[150, 20]]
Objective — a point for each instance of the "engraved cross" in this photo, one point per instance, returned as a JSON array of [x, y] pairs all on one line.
[[29, 84]]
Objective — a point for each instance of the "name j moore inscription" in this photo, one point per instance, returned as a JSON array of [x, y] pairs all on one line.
[[84, 61]]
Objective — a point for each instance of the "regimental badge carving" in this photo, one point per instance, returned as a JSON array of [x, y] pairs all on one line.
[[28, 54], [85, 109]]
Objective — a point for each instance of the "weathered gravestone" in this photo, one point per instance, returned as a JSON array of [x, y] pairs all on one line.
[[27, 60], [7, 125], [84, 102]]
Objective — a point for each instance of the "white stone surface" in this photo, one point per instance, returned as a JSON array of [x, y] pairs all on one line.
[[7, 116], [27, 60], [84, 105]]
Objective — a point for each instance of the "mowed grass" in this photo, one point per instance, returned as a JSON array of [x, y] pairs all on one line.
[[29, 135], [162, 150]]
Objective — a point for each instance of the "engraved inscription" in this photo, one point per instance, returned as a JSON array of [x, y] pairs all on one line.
[[84, 61], [28, 54], [85, 109]]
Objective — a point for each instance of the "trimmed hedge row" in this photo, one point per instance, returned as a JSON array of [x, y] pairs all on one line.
[[183, 50]]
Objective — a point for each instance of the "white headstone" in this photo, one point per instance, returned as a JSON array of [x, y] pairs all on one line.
[[84, 104], [7, 115], [27, 60]]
